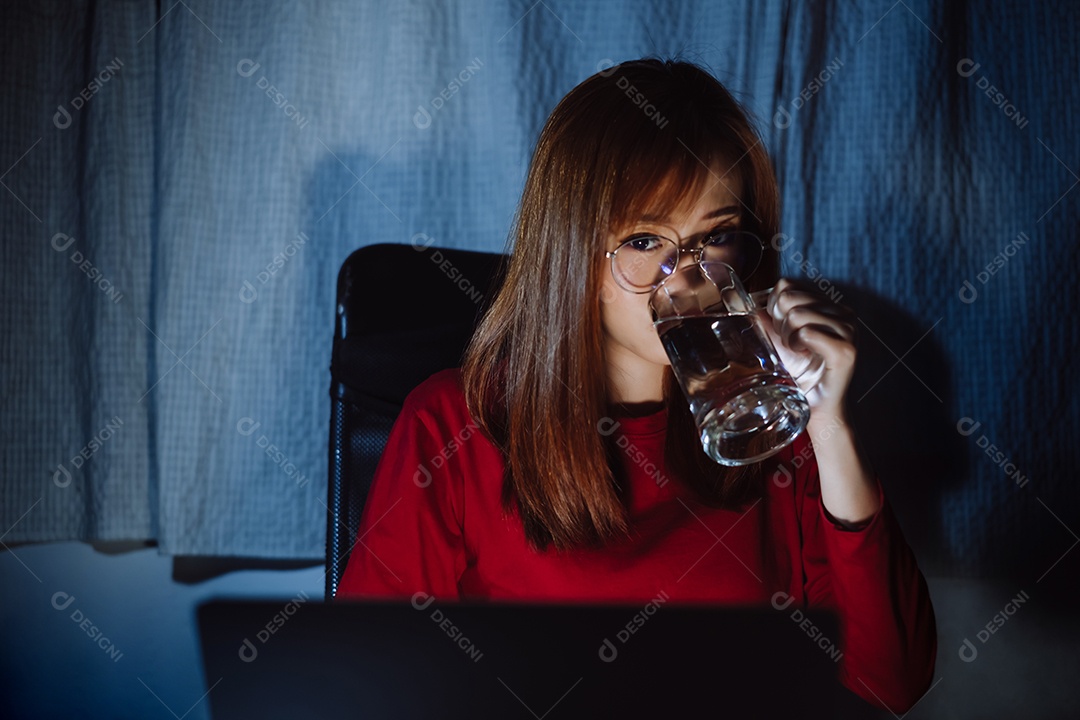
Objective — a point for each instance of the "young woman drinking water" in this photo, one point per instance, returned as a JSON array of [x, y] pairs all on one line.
[[561, 461]]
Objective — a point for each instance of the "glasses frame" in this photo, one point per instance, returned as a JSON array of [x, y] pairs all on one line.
[[680, 251]]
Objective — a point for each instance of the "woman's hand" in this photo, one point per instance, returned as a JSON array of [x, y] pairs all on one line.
[[803, 323]]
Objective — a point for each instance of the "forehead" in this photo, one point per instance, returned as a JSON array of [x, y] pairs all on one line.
[[682, 198]]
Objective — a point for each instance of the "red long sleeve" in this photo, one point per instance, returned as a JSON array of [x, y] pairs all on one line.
[[870, 578], [433, 523]]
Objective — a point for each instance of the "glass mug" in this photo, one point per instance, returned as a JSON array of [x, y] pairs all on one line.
[[746, 405]]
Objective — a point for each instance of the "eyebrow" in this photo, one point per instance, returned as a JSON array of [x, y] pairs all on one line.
[[719, 212]]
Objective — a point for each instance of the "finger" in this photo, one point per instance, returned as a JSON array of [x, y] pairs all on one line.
[[797, 362], [838, 352], [826, 313], [782, 302], [798, 284], [782, 285], [805, 315]]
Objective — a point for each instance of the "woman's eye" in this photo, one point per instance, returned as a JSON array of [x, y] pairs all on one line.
[[643, 244], [721, 238]]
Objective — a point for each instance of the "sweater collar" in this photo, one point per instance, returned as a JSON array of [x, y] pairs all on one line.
[[642, 424]]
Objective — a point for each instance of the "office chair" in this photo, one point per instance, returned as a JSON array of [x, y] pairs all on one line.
[[404, 312]]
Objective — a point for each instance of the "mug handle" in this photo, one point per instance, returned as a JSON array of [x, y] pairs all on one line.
[[812, 373]]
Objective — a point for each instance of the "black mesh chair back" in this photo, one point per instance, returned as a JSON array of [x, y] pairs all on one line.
[[403, 314]]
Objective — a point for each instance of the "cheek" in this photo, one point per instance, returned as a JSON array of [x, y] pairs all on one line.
[[627, 320]]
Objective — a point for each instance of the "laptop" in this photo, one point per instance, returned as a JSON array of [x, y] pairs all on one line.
[[306, 659]]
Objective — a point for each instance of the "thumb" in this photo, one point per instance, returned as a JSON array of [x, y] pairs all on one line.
[[793, 361]]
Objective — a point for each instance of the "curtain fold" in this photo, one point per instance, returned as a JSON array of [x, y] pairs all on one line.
[[78, 147], [181, 183]]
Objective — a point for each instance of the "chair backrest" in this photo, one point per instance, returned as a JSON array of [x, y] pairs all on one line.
[[403, 314]]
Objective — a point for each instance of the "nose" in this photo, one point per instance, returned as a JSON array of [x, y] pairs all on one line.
[[683, 253]]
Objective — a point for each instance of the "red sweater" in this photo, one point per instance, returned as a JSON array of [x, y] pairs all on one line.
[[433, 522]]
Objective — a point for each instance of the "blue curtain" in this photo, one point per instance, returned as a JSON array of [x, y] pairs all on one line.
[[181, 182]]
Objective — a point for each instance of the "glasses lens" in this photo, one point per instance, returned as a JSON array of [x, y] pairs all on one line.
[[740, 250], [642, 262]]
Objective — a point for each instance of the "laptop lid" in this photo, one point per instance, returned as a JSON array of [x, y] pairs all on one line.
[[424, 658]]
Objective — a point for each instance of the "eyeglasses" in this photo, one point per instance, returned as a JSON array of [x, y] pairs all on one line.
[[641, 262]]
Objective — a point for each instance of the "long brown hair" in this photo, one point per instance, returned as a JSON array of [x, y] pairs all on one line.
[[627, 141]]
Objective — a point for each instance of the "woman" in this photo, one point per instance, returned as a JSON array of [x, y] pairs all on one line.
[[561, 463]]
